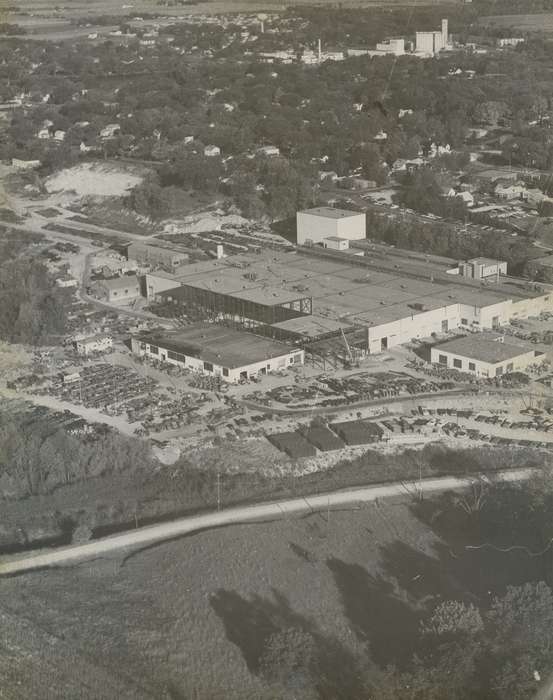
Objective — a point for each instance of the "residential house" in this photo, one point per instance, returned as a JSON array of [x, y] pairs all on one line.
[[95, 343], [211, 151], [465, 196], [268, 151], [110, 131]]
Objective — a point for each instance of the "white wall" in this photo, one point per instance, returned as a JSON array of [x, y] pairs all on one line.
[[484, 369], [423, 324], [271, 364], [156, 284], [420, 325], [315, 228]]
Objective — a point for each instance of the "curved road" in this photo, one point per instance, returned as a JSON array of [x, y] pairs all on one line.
[[232, 516]]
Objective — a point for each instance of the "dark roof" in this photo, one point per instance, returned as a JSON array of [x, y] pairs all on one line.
[[219, 345], [476, 347]]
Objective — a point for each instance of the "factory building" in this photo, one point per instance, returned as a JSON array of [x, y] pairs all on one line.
[[393, 295], [431, 43], [117, 290], [314, 225], [483, 268], [483, 356], [218, 351], [396, 47], [156, 255]]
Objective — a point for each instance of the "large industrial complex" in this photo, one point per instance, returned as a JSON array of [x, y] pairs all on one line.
[[386, 296]]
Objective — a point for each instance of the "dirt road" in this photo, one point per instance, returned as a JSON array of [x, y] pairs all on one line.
[[258, 512]]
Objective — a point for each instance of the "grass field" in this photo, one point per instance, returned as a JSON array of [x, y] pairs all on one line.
[[189, 618], [542, 22], [79, 8], [192, 615]]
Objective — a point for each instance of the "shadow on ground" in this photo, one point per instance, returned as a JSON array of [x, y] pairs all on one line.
[[249, 623], [478, 553], [377, 614]]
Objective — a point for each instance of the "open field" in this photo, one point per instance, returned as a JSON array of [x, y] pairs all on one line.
[[93, 179], [542, 22], [78, 8], [182, 620]]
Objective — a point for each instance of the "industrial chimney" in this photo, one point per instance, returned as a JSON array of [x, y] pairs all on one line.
[[445, 34], [320, 50], [220, 253]]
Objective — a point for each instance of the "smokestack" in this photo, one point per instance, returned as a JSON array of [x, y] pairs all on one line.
[[320, 50], [220, 253], [445, 35], [262, 27]]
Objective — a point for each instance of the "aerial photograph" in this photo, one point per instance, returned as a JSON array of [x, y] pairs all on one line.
[[276, 350]]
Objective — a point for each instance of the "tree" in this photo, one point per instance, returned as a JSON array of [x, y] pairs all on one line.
[[522, 638], [452, 618], [149, 199]]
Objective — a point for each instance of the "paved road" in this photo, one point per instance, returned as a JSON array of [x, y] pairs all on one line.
[[258, 512]]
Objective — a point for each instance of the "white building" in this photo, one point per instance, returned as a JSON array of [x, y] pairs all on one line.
[[117, 290], [268, 151], [431, 43], [25, 164], [483, 269], [314, 225], [510, 41], [335, 243], [467, 197], [210, 151], [110, 131], [218, 351], [483, 356], [508, 191], [95, 343], [396, 47]]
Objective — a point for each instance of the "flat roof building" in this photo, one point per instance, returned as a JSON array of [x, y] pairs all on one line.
[[118, 289], [156, 255], [95, 343], [217, 350], [483, 356], [395, 295], [316, 225], [483, 268]]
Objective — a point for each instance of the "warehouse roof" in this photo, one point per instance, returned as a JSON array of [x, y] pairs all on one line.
[[311, 326], [484, 261], [385, 285], [331, 212], [482, 348], [219, 345]]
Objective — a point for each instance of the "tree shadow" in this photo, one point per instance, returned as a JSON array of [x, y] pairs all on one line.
[[424, 577], [377, 613], [249, 624], [480, 553]]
